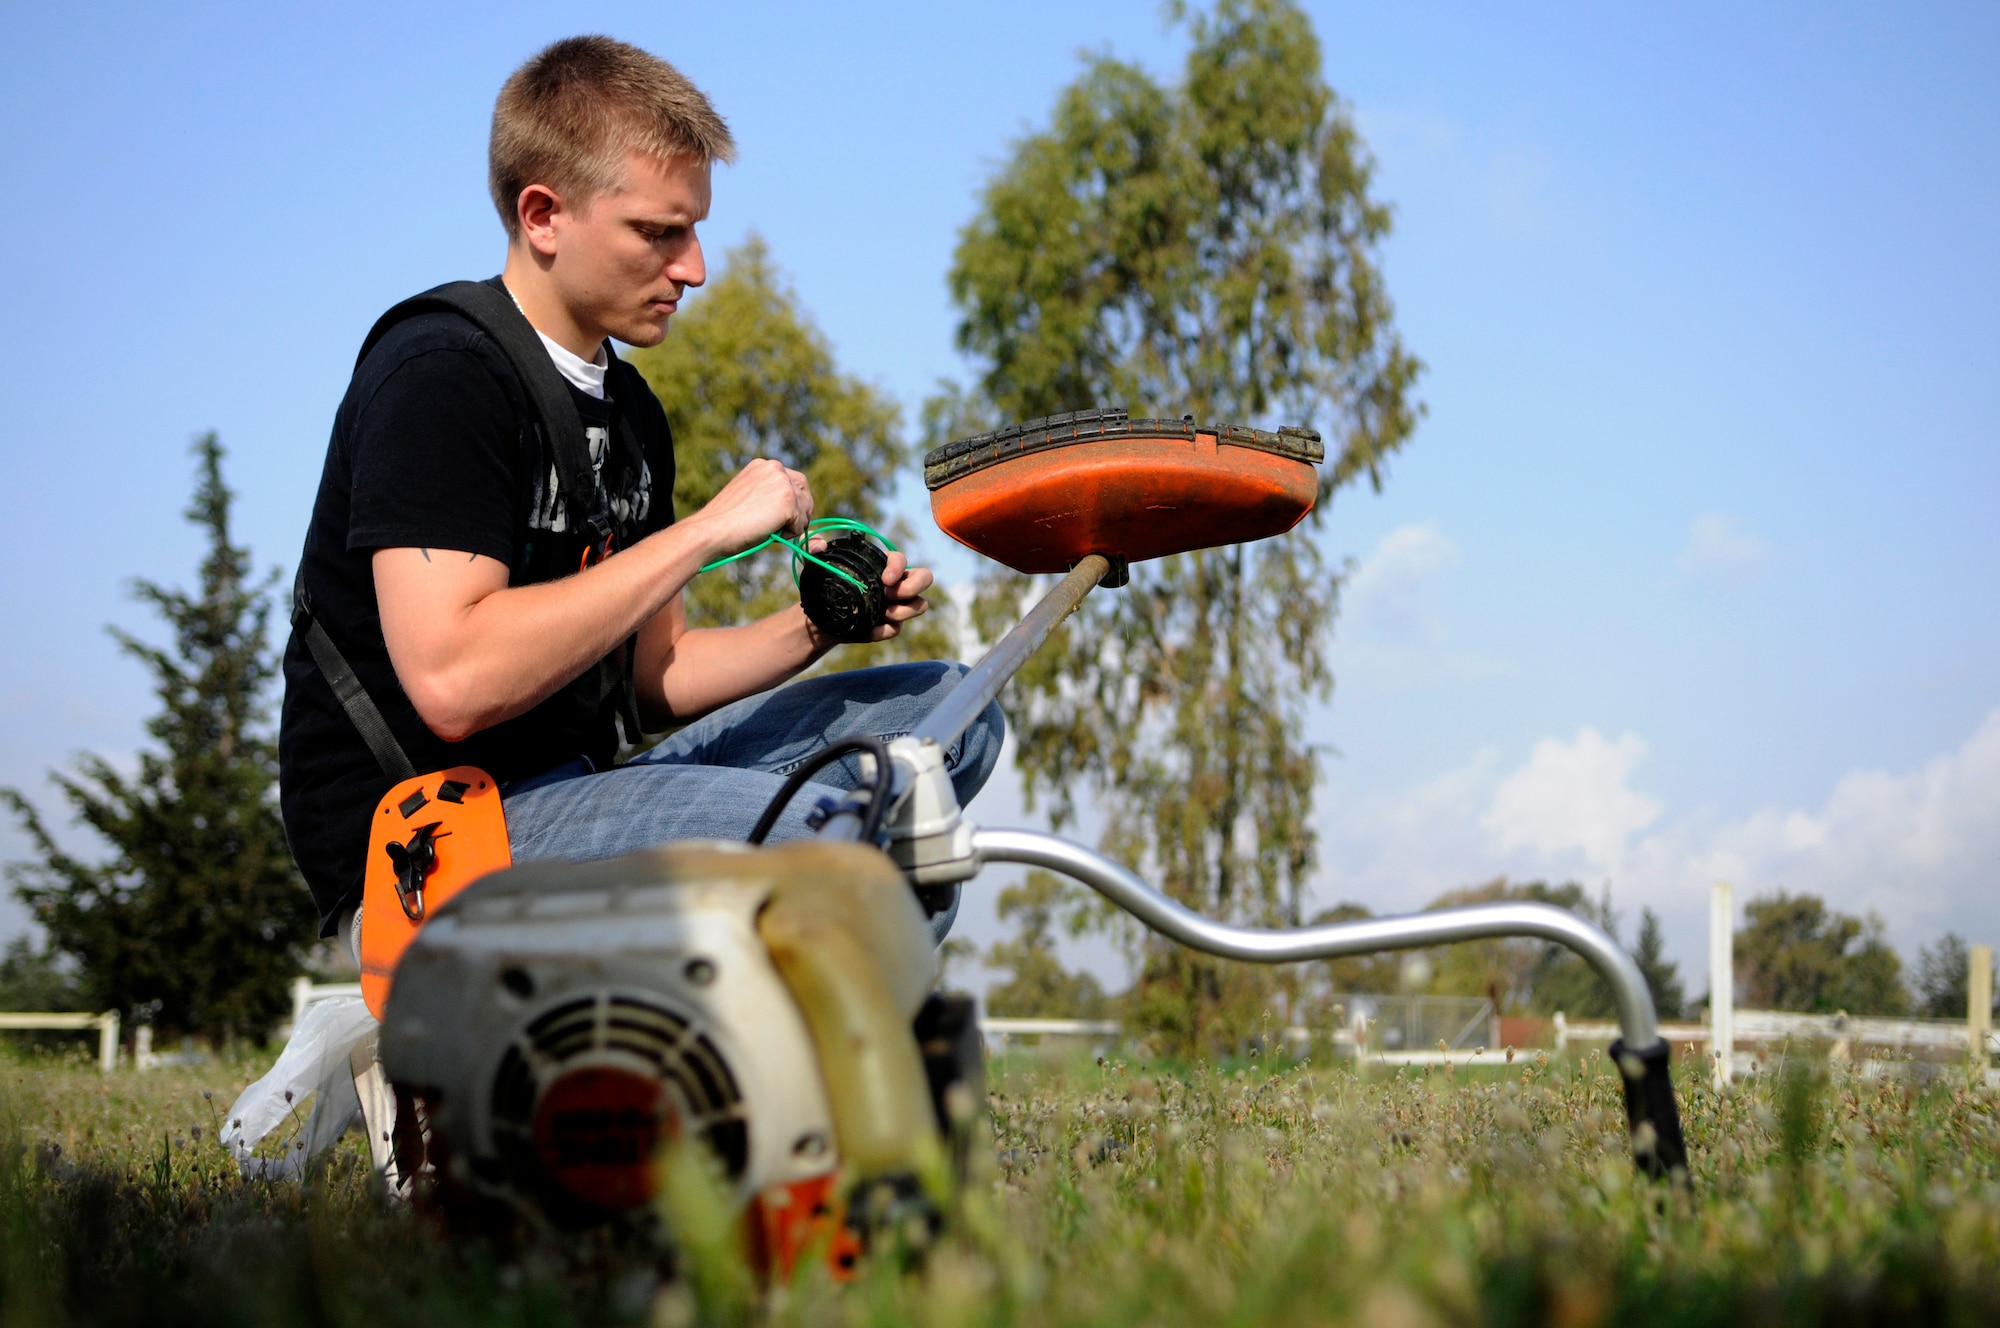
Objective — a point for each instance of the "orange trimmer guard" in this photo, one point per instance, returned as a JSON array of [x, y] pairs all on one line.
[[1039, 496], [432, 836]]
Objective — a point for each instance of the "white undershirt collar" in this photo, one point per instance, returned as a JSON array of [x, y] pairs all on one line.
[[587, 376]]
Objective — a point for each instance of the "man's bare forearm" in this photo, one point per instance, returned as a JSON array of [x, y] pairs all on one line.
[[472, 652], [709, 667]]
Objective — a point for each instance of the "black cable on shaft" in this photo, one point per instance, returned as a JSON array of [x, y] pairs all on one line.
[[878, 794]]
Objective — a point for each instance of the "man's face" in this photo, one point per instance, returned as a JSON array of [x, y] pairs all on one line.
[[623, 261]]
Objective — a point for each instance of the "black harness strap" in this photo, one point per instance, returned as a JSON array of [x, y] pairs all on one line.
[[488, 307], [354, 698], [492, 310]]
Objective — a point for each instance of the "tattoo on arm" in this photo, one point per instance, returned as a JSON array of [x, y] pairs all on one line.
[[426, 553]]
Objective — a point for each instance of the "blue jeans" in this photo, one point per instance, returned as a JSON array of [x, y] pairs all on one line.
[[712, 779]]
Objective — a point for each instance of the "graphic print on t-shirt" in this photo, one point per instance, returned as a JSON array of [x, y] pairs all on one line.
[[628, 507]]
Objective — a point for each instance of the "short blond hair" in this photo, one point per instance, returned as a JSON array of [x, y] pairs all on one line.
[[568, 116]]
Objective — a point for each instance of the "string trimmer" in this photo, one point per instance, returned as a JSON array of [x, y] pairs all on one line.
[[768, 1011]]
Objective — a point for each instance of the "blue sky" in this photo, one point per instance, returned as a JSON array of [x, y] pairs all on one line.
[[1690, 571]]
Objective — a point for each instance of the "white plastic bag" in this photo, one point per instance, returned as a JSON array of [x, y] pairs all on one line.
[[316, 1060]]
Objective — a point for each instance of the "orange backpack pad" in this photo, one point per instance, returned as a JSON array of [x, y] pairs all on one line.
[[431, 836]]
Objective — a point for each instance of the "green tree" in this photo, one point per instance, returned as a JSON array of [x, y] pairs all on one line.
[[1356, 973], [198, 911], [1519, 974], [1541, 977], [33, 979], [1941, 979], [1795, 954], [1037, 984], [744, 374], [1663, 976], [1205, 248], [1317, 991]]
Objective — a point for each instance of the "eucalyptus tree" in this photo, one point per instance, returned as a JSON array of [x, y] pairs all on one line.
[[1035, 983], [745, 373], [1207, 248]]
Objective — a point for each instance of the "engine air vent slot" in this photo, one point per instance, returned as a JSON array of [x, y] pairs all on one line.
[[624, 1030], [565, 1030]]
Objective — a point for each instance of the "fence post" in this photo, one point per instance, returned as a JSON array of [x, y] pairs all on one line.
[[142, 1048], [107, 1041], [1978, 1001], [1722, 982], [1562, 1031], [302, 987]]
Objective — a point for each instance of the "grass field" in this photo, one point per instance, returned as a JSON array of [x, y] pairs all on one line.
[[1121, 1194]]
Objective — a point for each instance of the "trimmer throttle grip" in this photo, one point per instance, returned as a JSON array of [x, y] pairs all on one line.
[[1655, 1119]]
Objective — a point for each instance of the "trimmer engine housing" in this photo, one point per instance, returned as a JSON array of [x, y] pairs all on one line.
[[562, 1023]]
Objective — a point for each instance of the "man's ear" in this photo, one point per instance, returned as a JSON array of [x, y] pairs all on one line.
[[536, 209]]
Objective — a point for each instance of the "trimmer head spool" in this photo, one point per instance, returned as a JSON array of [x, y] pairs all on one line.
[[1040, 495], [842, 609]]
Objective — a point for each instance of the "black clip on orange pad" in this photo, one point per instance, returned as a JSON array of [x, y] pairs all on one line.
[[469, 839]]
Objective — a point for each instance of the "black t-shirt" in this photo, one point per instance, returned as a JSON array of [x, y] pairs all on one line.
[[433, 448]]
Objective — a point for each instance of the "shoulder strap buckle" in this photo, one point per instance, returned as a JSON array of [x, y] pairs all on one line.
[[302, 606]]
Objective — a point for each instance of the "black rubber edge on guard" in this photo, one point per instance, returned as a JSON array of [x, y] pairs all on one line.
[[962, 456], [1655, 1119]]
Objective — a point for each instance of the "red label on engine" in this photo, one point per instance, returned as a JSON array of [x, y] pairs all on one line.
[[597, 1131]]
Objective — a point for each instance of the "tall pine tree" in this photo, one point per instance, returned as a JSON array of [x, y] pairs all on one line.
[[197, 913]]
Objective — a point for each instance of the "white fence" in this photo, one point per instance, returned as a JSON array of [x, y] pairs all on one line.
[[1763, 1028], [1874, 1045], [1729, 1028], [305, 991], [106, 1025], [1000, 1033], [1411, 1021], [1903, 1039], [1352, 1040]]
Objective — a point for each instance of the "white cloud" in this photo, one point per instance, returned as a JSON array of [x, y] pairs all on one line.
[[1921, 847], [1390, 634], [1574, 796], [1395, 850], [1719, 546], [1384, 598]]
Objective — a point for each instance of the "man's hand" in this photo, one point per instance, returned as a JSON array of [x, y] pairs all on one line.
[[763, 497], [906, 585]]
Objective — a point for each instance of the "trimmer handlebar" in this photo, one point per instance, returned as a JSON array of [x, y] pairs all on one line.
[[1334, 940], [1641, 1055]]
